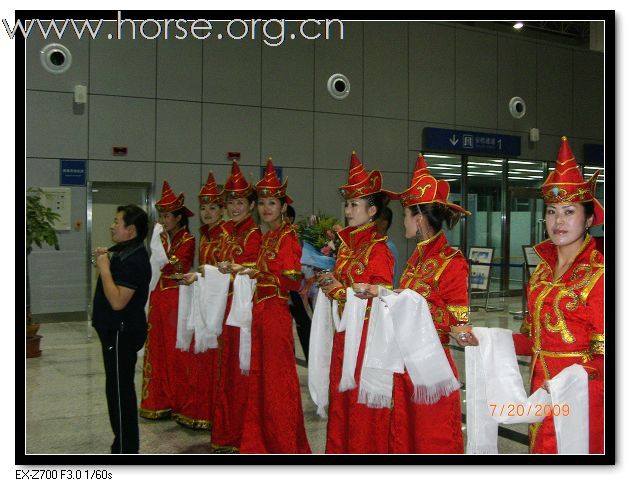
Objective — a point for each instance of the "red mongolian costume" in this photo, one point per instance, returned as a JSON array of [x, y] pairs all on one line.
[[165, 367], [363, 257], [240, 243], [565, 320], [198, 400], [440, 274], [274, 420]]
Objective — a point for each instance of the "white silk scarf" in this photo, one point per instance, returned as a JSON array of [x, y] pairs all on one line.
[[320, 351], [158, 256], [494, 386], [211, 300], [401, 334], [186, 316], [241, 316], [352, 322]]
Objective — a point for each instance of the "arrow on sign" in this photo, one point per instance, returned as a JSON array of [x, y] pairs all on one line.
[[454, 140]]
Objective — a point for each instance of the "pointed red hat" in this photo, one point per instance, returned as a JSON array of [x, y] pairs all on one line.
[[210, 192], [360, 182], [236, 184], [270, 186], [169, 203], [565, 184], [426, 189]]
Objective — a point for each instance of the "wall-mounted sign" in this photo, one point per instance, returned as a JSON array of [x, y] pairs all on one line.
[[59, 200], [531, 259], [480, 273], [73, 172], [471, 142]]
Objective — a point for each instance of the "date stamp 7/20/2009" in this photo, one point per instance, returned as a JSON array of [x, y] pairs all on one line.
[[531, 410]]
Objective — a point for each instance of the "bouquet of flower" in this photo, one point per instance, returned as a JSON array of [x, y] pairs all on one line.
[[320, 240]]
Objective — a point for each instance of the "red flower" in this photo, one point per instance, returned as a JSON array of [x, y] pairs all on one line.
[[326, 251], [330, 234]]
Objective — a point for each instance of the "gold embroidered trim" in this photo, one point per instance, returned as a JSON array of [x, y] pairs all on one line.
[[584, 354], [160, 414], [293, 274], [338, 294], [533, 434], [249, 265], [430, 240], [192, 423], [219, 449], [526, 327], [597, 344], [591, 284], [459, 312]]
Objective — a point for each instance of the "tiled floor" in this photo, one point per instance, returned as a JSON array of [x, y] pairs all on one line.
[[66, 410]]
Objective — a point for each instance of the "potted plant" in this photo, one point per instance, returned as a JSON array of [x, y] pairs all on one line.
[[39, 230]]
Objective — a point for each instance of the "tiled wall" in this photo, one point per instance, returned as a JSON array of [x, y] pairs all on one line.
[[181, 105]]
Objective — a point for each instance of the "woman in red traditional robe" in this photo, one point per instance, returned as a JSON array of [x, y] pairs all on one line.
[[363, 257], [440, 274], [565, 298], [274, 420], [165, 368], [198, 401], [240, 243]]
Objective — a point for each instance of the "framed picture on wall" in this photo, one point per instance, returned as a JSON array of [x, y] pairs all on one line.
[[531, 259], [480, 273], [480, 255]]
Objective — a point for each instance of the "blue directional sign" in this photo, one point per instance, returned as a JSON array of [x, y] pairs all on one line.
[[471, 142], [73, 172]]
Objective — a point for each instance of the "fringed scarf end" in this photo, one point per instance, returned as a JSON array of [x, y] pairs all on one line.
[[432, 394], [373, 400]]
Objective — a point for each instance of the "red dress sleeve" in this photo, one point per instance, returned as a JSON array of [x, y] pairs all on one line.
[[292, 267], [595, 306], [381, 265], [523, 341], [453, 287], [184, 256], [251, 247], [289, 272], [380, 268], [187, 251]]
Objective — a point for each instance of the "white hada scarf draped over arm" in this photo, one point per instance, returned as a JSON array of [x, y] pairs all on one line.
[[402, 335], [241, 316], [211, 301], [352, 323], [320, 351], [186, 316], [200, 310], [494, 386], [158, 256]]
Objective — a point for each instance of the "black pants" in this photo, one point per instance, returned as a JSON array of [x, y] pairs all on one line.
[[302, 321], [119, 356]]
